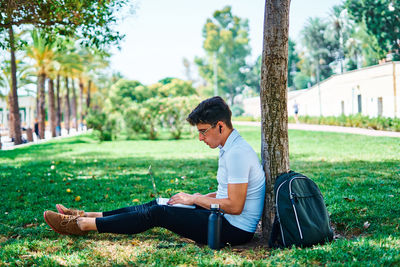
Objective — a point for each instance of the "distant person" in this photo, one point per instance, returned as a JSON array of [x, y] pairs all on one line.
[[241, 190], [296, 111], [36, 128]]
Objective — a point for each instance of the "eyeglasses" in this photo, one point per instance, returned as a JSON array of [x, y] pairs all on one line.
[[203, 132]]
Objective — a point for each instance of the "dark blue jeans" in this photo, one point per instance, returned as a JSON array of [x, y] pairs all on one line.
[[189, 223]]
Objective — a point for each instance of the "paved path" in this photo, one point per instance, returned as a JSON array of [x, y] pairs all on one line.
[[8, 145], [328, 128]]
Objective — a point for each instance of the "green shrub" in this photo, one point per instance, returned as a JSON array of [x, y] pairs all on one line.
[[356, 120], [103, 125], [174, 111], [237, 110], [134, 123], [168, 112]]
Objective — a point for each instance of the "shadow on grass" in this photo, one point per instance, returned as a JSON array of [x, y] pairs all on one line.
[[355, 192]]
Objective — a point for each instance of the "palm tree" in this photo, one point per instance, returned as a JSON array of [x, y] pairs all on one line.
[[70, 68], [92, 60], [42, 52], [67, 64], [339, 29], [319, 49], [24, 77]]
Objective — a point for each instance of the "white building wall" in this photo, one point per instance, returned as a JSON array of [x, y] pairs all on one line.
[[326, 99], [26, 106]]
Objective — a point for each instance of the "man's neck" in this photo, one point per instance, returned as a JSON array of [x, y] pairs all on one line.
[[228, 133]]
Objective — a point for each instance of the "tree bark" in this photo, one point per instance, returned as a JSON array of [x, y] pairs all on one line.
[[88, 97], [52, 108], [81, 101], [73, 104], [67, 109], [42, 100], [14, 106], [58, 112], [274, 115], [10, 118]]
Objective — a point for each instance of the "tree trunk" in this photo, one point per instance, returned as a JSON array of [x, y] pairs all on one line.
[[81, 101], [42, 111], [67, 109], [58, 112], [88, 96], [73, 104], [14, 107], [52, 108], [9, 117], [274, 116]]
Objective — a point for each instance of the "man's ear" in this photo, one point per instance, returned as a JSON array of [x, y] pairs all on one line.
[[220, 128]]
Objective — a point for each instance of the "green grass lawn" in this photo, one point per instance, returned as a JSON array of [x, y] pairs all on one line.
[[358, 176]]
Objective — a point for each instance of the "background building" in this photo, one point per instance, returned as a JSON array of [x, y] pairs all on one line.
[[371, 91], [27, 106]]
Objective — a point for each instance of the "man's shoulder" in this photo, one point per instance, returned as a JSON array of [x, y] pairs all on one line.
[[241, 148]]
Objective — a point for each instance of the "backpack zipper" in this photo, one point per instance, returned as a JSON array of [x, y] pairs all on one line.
[[277, 212], [294, 208]]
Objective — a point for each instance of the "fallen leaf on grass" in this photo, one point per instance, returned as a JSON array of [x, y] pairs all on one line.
[[135, 200], [77, 198], [135, 242], [68, 190], [390, 195], [30, 225], [366, 225], [349, 199]]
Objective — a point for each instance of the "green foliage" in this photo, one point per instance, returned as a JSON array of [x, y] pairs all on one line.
[[360, 182], [125, 91], [146, 108], [358, 120], [174, 111], [301, 80], [320, 49], [293, 60], [382, 20], [168, 113], [226, 43], [253, 76], [103, 124], [24, 75], [237, 110], [91, 20], [175, 87]]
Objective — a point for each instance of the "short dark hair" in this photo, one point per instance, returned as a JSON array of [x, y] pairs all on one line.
[[210, 111]]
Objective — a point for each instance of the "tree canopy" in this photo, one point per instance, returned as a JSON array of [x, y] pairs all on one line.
[[382, 20], [226, 43]]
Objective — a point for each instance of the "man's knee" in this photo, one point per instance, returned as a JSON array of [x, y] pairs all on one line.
[[156, 213]]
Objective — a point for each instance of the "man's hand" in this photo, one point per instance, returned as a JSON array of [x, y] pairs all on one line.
[[182, 198]]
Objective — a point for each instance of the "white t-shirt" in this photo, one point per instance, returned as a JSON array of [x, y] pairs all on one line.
[[239, 163]]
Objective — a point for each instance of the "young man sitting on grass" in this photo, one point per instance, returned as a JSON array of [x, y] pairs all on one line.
[[241, 189]]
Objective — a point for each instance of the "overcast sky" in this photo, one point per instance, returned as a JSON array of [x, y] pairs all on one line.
[[161, 33]]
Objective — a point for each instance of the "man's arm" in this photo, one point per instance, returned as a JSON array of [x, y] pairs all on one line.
[[232, 205], [212, 194]]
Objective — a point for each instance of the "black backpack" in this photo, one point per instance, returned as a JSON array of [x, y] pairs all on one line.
[[301, 217]]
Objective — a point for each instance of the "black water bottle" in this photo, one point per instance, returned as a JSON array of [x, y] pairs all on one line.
[[214, 227]]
